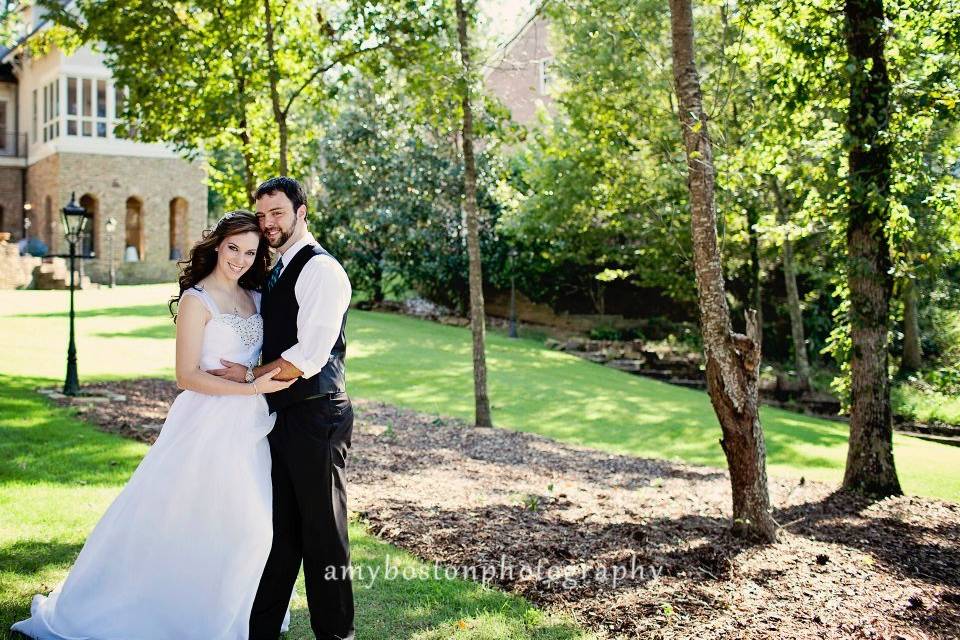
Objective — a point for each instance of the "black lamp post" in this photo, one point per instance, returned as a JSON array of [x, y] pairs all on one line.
[[74, 220], [513, 293]]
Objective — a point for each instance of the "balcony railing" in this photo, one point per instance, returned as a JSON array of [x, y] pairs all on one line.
[[13, 145]]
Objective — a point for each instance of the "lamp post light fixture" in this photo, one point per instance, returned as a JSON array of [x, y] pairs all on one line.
[[27, 223], [513, 293], [75, 219], [110, 226]]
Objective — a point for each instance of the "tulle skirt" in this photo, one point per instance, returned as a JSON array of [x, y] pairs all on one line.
[[179, 553]]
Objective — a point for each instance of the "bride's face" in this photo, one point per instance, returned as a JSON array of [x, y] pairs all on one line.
[[236, 254]]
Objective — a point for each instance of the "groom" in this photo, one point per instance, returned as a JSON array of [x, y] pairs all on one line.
[[304, 309]]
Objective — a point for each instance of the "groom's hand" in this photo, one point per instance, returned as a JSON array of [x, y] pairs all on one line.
[[231, 371]]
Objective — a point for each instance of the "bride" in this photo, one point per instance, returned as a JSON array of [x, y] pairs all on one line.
[[179, 553]]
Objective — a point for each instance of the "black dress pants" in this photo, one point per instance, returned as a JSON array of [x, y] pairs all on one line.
[[309, 445]]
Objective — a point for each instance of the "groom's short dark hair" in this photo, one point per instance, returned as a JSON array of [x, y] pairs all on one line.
[[287, 186]]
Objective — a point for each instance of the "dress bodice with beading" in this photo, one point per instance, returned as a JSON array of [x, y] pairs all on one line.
[[229, 336]]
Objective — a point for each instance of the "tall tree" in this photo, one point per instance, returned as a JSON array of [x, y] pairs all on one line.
[[801, 361], [870, 466], [733, 360], [477, 313]]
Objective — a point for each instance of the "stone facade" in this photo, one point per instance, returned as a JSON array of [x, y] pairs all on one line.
[[11, 201], [62, 136], [159, 204], [15, 270], [43, 194]]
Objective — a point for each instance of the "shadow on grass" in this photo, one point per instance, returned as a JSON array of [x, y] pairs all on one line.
[[34, 556], [142, 310], [41, 443], [155, 331]]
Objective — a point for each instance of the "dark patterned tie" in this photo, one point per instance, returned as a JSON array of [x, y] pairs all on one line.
[[275, 274]]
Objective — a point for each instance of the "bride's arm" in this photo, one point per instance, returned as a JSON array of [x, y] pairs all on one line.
[[192, 317]]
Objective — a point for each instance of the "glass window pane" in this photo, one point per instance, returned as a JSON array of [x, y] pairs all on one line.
[[101, 98], [118, 100], [102, 129], [87, 97], [71, 127], [87, 128], [72, 97], [46, 104]]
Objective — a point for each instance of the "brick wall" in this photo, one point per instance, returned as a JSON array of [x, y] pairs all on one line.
[[11, 200], [153, 186], [516, 77]]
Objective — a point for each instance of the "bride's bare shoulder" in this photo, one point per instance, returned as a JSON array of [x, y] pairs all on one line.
[[192, 308]]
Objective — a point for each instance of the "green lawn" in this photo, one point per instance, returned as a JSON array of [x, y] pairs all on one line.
[[127, 332], [57, 476]]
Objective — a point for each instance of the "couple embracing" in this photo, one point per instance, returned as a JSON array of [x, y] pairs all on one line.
[[247, 477]]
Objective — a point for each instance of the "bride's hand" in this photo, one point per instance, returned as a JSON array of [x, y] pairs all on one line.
[[266, 383]]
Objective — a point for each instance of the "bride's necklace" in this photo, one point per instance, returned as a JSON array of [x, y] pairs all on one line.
[[234, 300]]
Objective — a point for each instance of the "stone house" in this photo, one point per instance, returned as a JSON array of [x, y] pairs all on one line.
[[519, 74], [58, 136]]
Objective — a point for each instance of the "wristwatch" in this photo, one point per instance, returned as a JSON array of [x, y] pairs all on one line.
[[250, 377]]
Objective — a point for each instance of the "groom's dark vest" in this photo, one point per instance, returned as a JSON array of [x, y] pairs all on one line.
[[279, 309]]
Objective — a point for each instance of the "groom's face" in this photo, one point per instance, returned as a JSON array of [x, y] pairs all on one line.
[[278, 220]]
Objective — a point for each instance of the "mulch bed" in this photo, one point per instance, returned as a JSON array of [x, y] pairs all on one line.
[[630, 547]]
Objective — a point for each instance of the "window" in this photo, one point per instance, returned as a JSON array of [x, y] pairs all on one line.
[[544, 75], [101, 121], [51, 111], [88, 110], [87, 102], [119, 122], [89, 243], [178, 228], [35, 116], [134, 245], [73, 100]]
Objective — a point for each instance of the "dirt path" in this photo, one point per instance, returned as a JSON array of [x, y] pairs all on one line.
[[637, 548]]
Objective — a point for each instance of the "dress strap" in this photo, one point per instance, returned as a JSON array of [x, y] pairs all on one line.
[[205, 297], [256, 296]]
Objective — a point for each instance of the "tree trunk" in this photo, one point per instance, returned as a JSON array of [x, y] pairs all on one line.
[[870, 467], [756, 294], [246, 151], [477, 313], [912, 351], [273, 75], [733, 360], [793, 294]]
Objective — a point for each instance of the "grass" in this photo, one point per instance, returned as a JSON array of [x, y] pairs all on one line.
[[58, 475], [425, 366], [926, 405]]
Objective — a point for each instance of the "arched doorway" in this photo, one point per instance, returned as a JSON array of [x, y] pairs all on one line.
[[178, 228], [91, 236], [134, 245], [45, 232]]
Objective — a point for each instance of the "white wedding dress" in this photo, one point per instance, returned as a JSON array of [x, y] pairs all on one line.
[[179, 553]]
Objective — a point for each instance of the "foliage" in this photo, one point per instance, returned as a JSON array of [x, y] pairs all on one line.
[[391, 205]]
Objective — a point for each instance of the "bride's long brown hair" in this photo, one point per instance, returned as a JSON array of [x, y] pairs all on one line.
[[203, 256]]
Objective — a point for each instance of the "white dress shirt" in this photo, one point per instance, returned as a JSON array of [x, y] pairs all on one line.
[[323, 292]]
